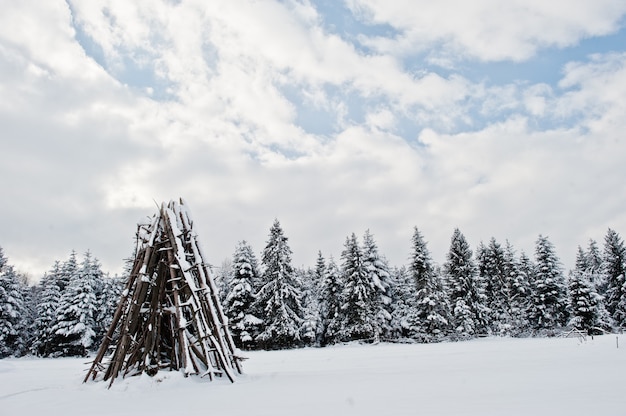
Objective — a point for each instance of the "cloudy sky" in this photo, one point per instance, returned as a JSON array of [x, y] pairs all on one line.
[[505, 119]]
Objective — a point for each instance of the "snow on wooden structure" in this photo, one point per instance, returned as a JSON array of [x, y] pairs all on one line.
[[169, 315]]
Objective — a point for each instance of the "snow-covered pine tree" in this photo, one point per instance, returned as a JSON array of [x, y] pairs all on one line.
[[46, 311], [614, 270], [30, 294], [311, 330], [598, 279], [69, 269], [77, 312], [528, 273], [358, 319], [588, 312], [222, 280], [493, 274], [311, 281], [377, 270], [13, 319], [331, 302], [518, 287], [550, 303], [239, 302], [432, 321], [595, 264], [103, 314], [280, 296], [320, 268], [466, 290], [403, 310]]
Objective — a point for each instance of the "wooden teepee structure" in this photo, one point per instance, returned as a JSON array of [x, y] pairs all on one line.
[[169, 315]]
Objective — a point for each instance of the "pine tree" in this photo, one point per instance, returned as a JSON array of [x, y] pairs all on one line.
[[331, 302], [222, 280], [598, 280], [377, 271], [312, 327], [595, 267], [13, 323], [280, 296], [30, 294], [320, 267], [528, 274], [403, 310], [77, 312], [467, 297], [358, 314], [614, 269], [493, 274], [432, 320], [517, 279], [312, 282], [239, 302], [104, 307], [68, 270], [49, 296], [550, 290], [3, 260], [588, 313]]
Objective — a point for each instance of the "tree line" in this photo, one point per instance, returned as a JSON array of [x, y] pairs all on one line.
[[494, 291], [66, 314], [271, 304]]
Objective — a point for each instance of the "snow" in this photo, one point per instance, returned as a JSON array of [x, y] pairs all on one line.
[[491, 376]]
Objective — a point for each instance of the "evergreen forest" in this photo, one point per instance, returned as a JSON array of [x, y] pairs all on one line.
[[491, 290]]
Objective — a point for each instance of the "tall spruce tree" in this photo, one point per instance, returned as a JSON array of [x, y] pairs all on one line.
[[432, 320], [312, 327], [588, 312], [492, 270], [13, 319], [595, 269], [358, 313], [312, 282], [595, 266], [280, 297], [239, 302], [222, 280], [403, 310], [614, 270], [378, 274], [519, 290], [46, 311], [331, 302], [467, 296], [69, 269], [550, 309], [528, 272], [77, 311], [105, 306]]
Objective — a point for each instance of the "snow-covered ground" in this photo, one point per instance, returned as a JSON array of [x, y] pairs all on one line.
[[493, 376]]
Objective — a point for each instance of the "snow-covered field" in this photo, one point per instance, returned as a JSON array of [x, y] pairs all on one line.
[[494, 376]]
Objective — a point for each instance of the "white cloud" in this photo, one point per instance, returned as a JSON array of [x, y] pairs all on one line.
[[537, 98], [256, 50], [596, 90], [488, 30], [86, 156]]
